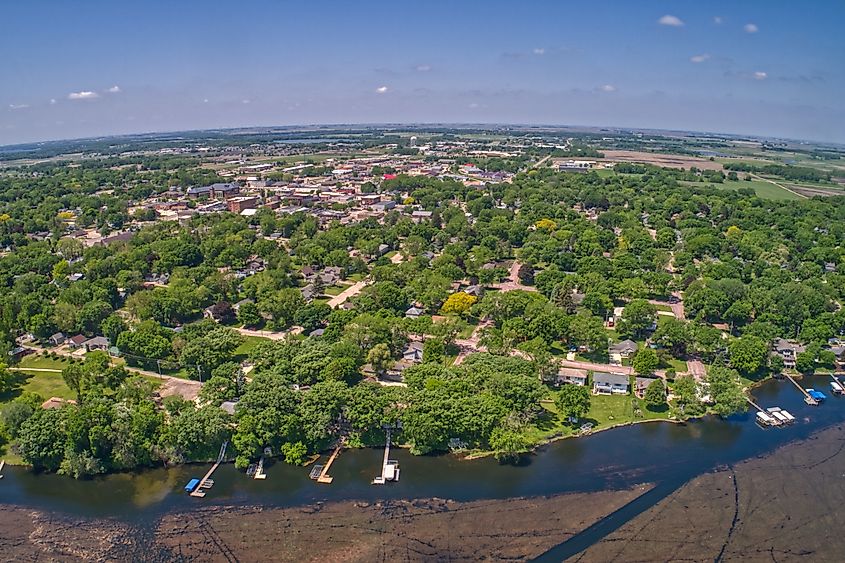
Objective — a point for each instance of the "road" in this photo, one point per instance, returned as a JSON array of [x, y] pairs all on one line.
[[269, 334], [540, 162], [513, 283], [348, 293]]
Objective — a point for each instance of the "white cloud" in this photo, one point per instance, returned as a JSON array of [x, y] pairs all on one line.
[[760, 75], [18, 106], [699, 58], [539, 51], [205, 100], [423, 68], [381, 89], [246, 101], [717, 20], [751, 28], [53, 101], [114, 89], [473, 105], [83, 95], [607, 88], [670, 20]]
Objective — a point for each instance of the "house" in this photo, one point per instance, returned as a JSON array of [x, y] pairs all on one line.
[[610, 383], [787, 350], [19, 352], [237, 306], [571, 376], [414, 312], [621, 350], [413, 353], [98, 343], [57, 339], [420, 215], [384, 206], [56, 403], [641, 384], [317, 332], [76, 341]]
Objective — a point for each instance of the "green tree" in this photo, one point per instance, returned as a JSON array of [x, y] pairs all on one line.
[[748, 354], [41, 439], [508, 444], [249, 314], [655, 394], [726, 391], [645, 361], [573, 401], [637, 317], [380, 358]]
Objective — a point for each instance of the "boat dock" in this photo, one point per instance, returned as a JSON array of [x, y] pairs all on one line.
[[772, 416], [809, 399], [201, 486], [389, 467], [323, 476], [259, 470], [836, 386], [2, 465]]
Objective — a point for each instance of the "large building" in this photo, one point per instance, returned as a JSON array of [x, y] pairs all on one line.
[[218, 190], [239, 203]]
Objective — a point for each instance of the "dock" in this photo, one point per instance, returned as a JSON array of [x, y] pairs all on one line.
[[206, 482], [836, 386], [2, 465], [389, 467], [324, 476], [259, 470], [807, 397]]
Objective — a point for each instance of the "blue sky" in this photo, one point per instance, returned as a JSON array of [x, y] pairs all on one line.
[[75, 69]]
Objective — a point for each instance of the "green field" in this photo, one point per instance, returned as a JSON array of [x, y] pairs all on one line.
[[765, 190], [248, 344]]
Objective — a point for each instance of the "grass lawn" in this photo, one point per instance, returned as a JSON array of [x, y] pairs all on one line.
[[765, 190], [335, 290], [42, 362], [248, 344], [355, 278], [605, 411], [47, 384]]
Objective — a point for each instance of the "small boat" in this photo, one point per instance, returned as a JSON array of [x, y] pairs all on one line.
[[817, 395], [192, 484], [836, 388], [788, 416], [765, 420]]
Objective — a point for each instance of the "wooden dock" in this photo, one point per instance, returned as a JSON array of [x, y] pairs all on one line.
[[2, 465], [807, 398], [389, 467], [206, 482], [324, 476]]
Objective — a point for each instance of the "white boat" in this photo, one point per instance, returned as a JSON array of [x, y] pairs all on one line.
[[788, 416]]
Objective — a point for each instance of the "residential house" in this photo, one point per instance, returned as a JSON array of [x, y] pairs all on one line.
[[413, 353], [98, 343], [621, 350], [641, 384], [57, 339], [787, 350], [571, 376], [420, 215], [76, 341], [610, 383], [414, 312]]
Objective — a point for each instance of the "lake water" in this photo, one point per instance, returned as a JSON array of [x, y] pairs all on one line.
[[661, 453]]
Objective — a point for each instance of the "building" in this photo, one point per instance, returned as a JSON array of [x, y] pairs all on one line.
[[57, 339], [414, 312], [576, 165], [610, 383], [241, 203], [621, 350], [413, 353], [641, 384], [787, 350], [217, 190], [76, 341], [97, 343], [571, 376]]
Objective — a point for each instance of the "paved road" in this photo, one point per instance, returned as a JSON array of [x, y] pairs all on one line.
[[269, 334], [347, 293]]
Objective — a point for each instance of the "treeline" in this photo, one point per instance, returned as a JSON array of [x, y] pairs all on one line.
[[784, 171]]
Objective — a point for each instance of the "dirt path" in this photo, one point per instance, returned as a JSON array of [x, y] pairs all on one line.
[[347, 294], [269, 334]]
